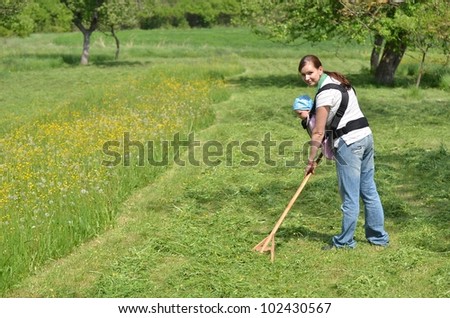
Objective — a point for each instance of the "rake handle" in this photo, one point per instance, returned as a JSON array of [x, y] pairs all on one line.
[[288, 208], [286, 211]]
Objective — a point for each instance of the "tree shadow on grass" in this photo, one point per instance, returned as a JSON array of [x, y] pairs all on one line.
[[103, 60], [56, 60], [415, 194], [421, 176], [293, 80], [119, 63], [288, 80], [361, 80]]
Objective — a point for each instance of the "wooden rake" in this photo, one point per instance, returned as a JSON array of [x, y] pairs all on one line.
[[268, 244]]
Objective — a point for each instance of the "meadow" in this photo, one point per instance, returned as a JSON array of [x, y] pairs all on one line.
[[85, 213]]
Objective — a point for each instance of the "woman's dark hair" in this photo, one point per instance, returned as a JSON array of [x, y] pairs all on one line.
[[316, 62]]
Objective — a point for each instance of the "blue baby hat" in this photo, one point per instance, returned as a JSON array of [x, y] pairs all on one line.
[[302, 103]]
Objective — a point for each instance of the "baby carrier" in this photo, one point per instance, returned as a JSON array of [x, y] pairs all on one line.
[[332, 132]]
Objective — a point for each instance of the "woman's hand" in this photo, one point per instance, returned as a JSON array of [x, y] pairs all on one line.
[[310, 167]]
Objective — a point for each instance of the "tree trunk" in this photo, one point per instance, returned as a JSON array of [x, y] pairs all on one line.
[[117, 42], [375, 56], [86, 45], [86, 35], [390, 60], [421, 67]]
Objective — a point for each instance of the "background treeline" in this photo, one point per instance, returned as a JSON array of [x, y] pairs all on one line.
[[189, 13], [392, 26], [23, 17]]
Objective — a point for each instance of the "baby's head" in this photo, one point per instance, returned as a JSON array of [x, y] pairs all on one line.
[[302, 105]]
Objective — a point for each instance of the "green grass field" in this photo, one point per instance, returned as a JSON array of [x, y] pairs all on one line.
[[70, 226]]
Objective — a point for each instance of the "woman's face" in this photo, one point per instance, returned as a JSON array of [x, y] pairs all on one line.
[[310, 74]]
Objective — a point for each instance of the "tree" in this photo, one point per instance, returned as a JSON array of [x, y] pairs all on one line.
[[49, 16], [208, 13], [384, 26], [429, 27], [86, 19], [400, 24], [18, 17], [188, 13], [90, 15], [349, 19], [118, 14], [12, 19]]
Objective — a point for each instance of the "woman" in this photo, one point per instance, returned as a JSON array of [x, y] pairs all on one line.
[[354, 154]]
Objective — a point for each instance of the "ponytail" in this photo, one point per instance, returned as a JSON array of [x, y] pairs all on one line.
[[339, 77]]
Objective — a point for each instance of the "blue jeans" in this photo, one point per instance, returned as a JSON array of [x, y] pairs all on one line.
[[355, 171]]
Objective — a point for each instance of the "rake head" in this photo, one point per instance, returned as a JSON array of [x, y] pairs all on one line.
[[268, 244]]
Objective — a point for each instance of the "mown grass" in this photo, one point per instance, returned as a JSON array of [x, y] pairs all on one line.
[[190, 231]]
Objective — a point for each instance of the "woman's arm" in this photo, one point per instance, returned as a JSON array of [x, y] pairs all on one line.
[[317, 136]]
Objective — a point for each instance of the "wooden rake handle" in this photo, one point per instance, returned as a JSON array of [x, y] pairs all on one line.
[[263, 245]]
